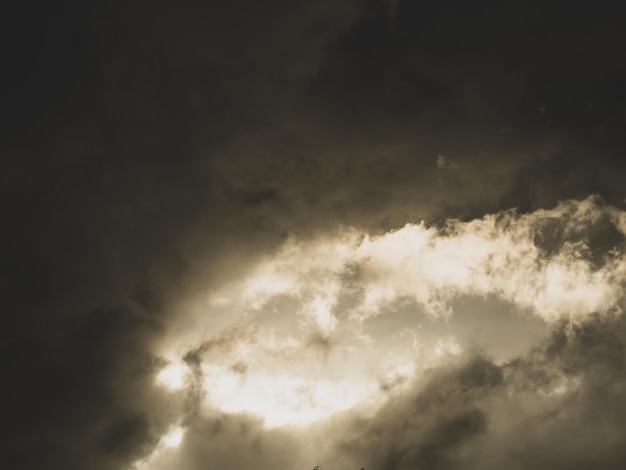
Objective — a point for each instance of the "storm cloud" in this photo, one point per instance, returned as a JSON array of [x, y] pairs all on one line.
[[379, 234]]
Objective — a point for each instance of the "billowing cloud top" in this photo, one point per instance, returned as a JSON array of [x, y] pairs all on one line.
[[542, 262]]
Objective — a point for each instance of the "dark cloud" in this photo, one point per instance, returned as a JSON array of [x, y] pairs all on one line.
[[560, 404], [227, 442], [69, 399], [153, 152], [425, 428]]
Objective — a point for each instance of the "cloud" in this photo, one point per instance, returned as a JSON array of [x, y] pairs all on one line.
[[559, 402], [84, 397], [174, 184], [421, 399], [507, 255], [445, 164], [542, 409]]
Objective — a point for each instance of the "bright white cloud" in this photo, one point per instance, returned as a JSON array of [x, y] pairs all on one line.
[[174, 437], [495, 255], [302, 352], [173, 376], [281, 399]]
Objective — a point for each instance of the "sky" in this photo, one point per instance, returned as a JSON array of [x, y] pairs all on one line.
[[353, 234]]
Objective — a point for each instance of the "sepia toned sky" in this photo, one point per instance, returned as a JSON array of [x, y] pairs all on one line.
[[380, 234]]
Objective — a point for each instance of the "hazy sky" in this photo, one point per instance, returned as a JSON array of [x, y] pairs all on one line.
[[380, 234]]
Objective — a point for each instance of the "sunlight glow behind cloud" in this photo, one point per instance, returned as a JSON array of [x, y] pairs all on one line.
[[173, 376], [281, 399], [302, 352], [174, 437]]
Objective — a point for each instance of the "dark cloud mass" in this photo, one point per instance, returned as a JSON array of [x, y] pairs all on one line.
[[561, 404], [189, 192]]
